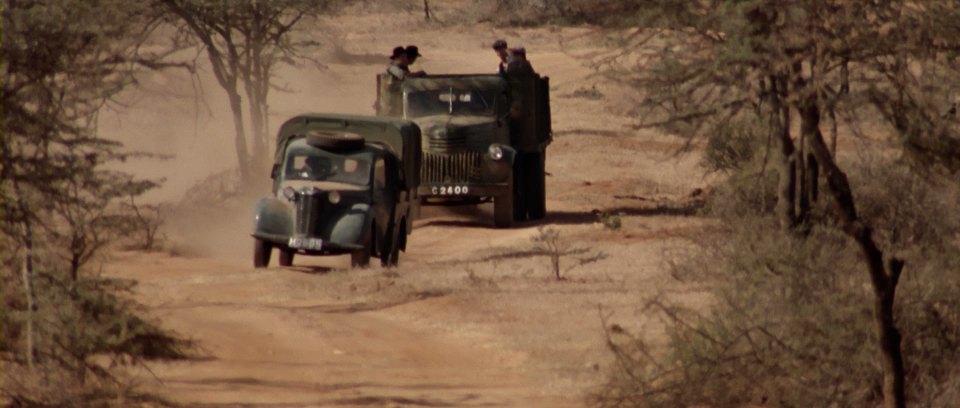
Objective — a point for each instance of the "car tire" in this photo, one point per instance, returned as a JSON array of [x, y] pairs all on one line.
[[286, 257], [261, 253], [360, 258], [335, 142], [394, 258]]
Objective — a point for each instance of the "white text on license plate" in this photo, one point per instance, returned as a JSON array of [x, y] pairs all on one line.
[[314, 244], [449, 190]]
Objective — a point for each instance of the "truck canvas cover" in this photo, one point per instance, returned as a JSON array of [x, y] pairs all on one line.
[[400, 137]]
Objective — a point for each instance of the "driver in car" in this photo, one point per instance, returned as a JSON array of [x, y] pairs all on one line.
[[320, 168]]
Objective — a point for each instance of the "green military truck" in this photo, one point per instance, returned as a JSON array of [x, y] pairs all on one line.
[[475, 147], [341, 184]]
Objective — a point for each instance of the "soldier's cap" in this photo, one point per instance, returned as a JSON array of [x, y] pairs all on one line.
[[413, 51], [398, 51], [519, 51], [499, 44]]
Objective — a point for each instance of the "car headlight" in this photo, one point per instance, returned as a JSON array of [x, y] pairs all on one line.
[[289, 193], [334, 197], [495, 151]]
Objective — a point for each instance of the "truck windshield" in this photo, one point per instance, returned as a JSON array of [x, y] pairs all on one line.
[[307, 166], [450, 102]]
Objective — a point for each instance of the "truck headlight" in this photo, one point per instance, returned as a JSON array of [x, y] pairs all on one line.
[[495, 151], [439, 133], [334, 197]]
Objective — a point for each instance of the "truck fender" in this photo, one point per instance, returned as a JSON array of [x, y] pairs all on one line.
[[273, 219]]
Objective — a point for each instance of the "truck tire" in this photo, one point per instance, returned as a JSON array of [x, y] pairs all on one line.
[[537, 198], [503, 207], [520, 187], [261, 253], [286, 256]]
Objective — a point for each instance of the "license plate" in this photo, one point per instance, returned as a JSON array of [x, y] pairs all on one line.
[[314, 244], [449, 190]]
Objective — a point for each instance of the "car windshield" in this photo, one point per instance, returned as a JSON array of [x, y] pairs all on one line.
[[318, 167], [450, 102]]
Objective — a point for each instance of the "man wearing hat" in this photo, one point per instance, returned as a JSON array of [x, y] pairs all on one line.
[[400, 62]]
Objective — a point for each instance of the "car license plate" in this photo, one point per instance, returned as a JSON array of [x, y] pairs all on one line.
[[314, 244]]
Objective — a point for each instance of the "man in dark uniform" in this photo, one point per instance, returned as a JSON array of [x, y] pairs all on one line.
[[500, 48]]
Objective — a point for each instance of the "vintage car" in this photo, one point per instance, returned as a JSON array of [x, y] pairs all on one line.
[[341, 185]]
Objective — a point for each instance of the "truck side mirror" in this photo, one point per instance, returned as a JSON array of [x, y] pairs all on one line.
[[275, 170]]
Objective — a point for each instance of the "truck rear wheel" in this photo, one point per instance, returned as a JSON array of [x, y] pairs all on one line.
[[537, 191], [261, 253], [503, 207]]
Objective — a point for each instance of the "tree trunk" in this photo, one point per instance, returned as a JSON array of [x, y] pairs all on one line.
[[786, 169], [883, 278], [240, 140], [26, 274]]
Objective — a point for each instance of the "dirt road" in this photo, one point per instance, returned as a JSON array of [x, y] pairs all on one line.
[[467, 319]]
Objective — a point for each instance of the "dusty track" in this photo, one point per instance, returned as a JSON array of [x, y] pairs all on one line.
[[468, 319]]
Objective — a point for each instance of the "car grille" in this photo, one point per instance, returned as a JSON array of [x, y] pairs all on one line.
[[308, 209], [451, 167]]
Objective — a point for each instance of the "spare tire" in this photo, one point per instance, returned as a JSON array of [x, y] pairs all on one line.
[[335, 141]]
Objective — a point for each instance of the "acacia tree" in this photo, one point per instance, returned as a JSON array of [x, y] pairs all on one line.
[[245, 41], [709, 64], [59, 201]]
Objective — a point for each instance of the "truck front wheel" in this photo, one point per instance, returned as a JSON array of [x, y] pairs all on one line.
[[537, 198], [503, 207]]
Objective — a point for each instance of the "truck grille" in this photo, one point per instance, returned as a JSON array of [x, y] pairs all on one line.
[[450, 167], [452, 142]]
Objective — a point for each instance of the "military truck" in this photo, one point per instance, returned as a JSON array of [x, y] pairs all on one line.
[[484, 138], [341, 184]]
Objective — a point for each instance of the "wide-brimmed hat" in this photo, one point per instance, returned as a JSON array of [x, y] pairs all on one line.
[[413, 51], [398, 51], [519, 51]]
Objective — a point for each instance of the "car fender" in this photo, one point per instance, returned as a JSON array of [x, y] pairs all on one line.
[[273, 219], [351, 225]]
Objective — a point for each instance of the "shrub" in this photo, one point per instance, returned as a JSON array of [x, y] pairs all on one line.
[[790, 316], [79, 330]]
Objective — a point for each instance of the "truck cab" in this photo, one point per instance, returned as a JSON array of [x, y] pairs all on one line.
[[342, 185]]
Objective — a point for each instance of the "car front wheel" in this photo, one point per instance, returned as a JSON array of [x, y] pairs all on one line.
[[261, 253]]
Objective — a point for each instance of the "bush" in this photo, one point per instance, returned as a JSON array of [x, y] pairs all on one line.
[[80, 330], [790, 318]]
